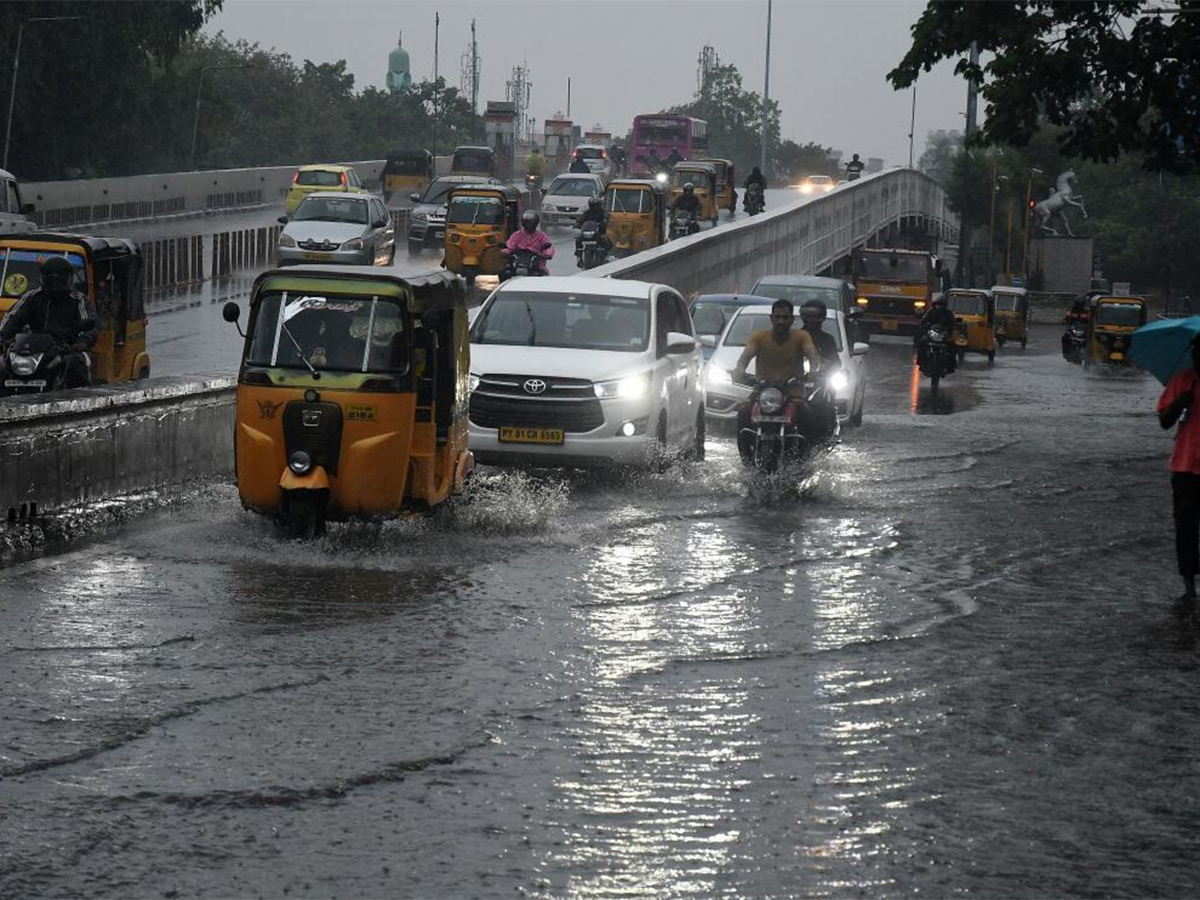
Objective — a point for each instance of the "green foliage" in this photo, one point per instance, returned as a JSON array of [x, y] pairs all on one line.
[[1111, 77]]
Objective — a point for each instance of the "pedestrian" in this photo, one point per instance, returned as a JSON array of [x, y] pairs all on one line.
[[1175, 405]]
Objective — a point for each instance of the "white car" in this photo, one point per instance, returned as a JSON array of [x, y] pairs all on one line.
[[723, 396], [567, 198], [596, 157], [582, 371]]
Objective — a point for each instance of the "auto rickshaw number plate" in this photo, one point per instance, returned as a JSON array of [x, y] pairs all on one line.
[[890, 325], [510, 435]]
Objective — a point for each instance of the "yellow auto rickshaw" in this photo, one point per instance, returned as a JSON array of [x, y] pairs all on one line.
[[637, 215], [703, 178], [1111, 322], [726, 179], [352, 395], [406, 172], [109, 271], [1012, 314], [479, 161], [479, 219], [976, 332]]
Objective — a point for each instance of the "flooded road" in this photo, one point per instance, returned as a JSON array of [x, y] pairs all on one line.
[[947, 668]]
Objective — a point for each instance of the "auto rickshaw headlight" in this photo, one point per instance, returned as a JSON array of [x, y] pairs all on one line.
[[862, 301], [300, 462], [919, 304]]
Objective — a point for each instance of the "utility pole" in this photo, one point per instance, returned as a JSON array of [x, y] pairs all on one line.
[[912, 126], [766, 94], [996, 181], [474, 73], [1033, 170], [964, 266], [437, 25], [568, 96]]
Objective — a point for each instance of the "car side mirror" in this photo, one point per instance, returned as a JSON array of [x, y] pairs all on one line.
[[678, 342], [855, 313], [415, 198], [381, 223], [859, 349], [708, 340], [282, 220]]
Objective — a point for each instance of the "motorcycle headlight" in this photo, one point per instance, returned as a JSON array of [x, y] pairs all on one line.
[[661, 178], [472, 381], [630, 388], [770, 401], [838, 381], [300, 462], [23, 365], [286, 240], [718, 376], [353, 244]]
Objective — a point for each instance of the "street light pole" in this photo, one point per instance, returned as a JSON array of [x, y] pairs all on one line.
[[12, 94], [199, 93], [996, 181], [1033, 170], [912, 126], [766, 95]]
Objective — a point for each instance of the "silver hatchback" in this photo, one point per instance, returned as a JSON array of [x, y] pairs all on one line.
[[334, 227]]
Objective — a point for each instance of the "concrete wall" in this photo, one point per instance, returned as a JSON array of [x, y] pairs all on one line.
[[68, 203], [1065, 264], [802, 238], [100, 442]]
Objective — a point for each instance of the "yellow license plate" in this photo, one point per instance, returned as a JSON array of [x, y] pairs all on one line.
[[316, 256], [890, 325], [510, 435]]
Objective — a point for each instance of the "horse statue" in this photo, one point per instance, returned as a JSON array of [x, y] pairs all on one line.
[[1061, 196]]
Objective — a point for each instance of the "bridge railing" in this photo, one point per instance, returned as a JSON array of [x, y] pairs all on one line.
[[803, 237]]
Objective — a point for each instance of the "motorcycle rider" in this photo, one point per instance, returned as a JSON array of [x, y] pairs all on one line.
[[674, 158], [530, 237], [779, 355], [812, 316], [854, 168], [535, 164], [579, 166], [690, 203], [939, 315], [594, 213], [56, 309], [756, 177]]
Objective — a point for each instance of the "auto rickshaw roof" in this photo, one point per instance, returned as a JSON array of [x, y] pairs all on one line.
[[1111, 298], [511, 193], [650, 183], [1006, 289], [433, 290], [692, 165], [473, 149], [96, 248]]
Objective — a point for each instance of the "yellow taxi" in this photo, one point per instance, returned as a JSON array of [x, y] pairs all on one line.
[[308, 179]]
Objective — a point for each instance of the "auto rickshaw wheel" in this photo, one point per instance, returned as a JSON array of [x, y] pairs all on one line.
[[934, 380], [991, 357], [469, 274], [1022, 343], [303, 517]]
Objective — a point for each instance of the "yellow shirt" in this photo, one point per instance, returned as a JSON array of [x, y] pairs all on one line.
[[779, 361], [535, 164]]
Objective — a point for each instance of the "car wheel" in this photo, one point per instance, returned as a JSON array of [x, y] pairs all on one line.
[[699, 437], [391, 254], [659, 453], [856, 416]]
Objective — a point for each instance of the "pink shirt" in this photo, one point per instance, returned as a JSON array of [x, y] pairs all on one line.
[[1186, 456], [523, 240]]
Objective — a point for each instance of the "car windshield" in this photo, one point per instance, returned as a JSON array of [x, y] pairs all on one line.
[[331, 209], [819, 179], [475, 211], [967, 304], [576, 321], [627, 200], [710, 316], [437, 191], [800, 294], [745, 324], [337, 333], [589, 152], [1128, 315], [319, 178], [883, 267], [572, 187], [1008, 302], [473, 161], [22, 271]]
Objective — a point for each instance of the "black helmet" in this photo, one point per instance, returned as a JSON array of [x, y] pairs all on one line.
[[939, 300], [688, 188], [529, 220], [57, 274], [595, 202], [815, 310]]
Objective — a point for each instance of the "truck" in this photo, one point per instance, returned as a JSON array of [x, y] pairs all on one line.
[[893, 288]]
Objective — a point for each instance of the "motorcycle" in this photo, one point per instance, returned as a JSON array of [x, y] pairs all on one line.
[[936, 355], [1074, 343], [522, 263], [34, 364], [591, 251], [683, 223], [533, 182], [775, 424], [754, 202]]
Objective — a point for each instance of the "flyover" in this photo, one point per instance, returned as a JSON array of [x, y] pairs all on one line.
[[120, 439]]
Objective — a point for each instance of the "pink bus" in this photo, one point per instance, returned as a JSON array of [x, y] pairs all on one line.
[[662, 133]]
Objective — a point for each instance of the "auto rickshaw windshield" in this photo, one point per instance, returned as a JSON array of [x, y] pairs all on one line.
[[21, 270], [473, 161], [348, 334], [967, 304], [699, 180], [1008, 303], [627, 200], [406, 165], [1120, 315], [475, 211]]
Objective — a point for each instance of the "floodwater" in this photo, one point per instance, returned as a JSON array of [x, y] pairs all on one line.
[[946, 666]]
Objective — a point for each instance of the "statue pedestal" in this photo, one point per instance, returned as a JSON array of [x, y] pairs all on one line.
[[1064, 264]]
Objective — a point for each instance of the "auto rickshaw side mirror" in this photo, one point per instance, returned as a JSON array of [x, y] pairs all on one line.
[[231, 312], [282, 220], [415, 198]]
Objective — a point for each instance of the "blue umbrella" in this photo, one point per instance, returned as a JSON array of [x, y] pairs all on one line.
[[1162, 348]]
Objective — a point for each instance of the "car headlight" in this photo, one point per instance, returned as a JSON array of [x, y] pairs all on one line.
[[806, 188], [770, 401], [23, 365], [353, 244], [300, 462], [838, 381], [624, 388], [718, 376], [286, 240], [418, 217], [472, 381]]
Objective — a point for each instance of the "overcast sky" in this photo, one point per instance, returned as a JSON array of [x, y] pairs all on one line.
[[828, 57]]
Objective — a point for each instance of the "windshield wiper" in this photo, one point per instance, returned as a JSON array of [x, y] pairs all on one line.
[[300, 351], [532, 325]]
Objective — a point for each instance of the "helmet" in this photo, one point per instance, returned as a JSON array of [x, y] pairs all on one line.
[[939, 301], [529, 220], [595, 203], [814, 310], [57, 274], [688, 188]]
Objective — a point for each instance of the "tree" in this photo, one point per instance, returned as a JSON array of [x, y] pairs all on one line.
[[941, 150], [793, 161], [1111, 76]]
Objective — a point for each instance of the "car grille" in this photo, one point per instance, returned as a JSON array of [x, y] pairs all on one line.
[[317, 245], [566, 403]]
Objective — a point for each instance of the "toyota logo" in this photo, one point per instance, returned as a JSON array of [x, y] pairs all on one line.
[[535, 386]]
